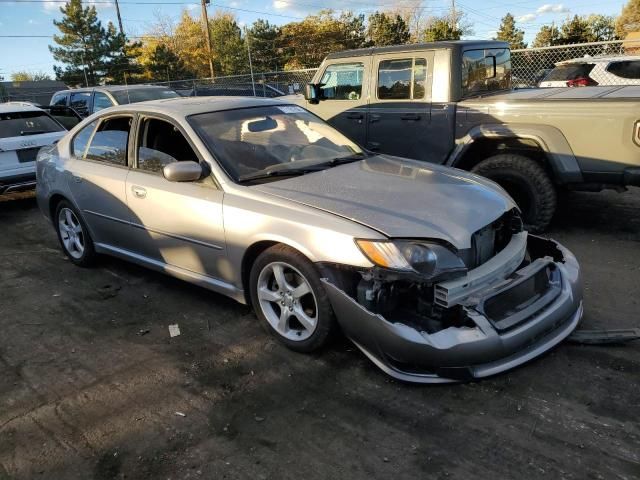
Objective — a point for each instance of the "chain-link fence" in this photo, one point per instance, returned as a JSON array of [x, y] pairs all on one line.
[[268, 84], [600, 63]]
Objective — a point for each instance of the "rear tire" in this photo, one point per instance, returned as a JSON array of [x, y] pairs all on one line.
[[290, 300], [527, 183], [73, 235]]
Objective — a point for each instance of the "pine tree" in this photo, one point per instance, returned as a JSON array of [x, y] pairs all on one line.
[[509, 33], [547, 36], [629, 19], [263, 40], [440, 29], [386, 29], [164, 64]]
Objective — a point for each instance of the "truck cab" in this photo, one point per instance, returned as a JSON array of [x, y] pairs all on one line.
[[401, 100]]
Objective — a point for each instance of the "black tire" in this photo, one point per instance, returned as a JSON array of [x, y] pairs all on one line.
[[88, 256], [325, 323], [528, 184]]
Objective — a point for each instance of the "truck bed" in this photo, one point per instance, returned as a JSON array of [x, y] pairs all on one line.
[[630, 92]]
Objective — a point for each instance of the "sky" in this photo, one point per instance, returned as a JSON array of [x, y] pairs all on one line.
[[35, 18]]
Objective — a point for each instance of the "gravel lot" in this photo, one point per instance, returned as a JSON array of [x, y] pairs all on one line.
[[93, 387]]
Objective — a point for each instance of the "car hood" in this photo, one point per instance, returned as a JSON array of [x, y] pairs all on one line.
[[400, 198]]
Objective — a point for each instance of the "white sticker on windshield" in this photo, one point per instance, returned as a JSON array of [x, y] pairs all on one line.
[[291, 109]]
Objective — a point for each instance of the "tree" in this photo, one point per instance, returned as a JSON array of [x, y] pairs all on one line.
[[24, 76], [602, 28], [120, 62], [386, 29], [263, 39], [164, 64], [229, 49], [547, 36], [575, 30], [509, 33], [439, 29], [629, 19]]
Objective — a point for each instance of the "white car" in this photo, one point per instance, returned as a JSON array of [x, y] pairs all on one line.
[[590, 71], [24, 130]]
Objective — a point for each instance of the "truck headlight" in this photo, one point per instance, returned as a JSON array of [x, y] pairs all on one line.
[[427, 259]]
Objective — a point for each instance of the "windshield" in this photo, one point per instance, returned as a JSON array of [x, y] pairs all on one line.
[[134, 95], [249, 141], [18, 124]]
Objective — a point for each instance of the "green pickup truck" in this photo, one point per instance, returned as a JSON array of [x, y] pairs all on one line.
[[451, 103]]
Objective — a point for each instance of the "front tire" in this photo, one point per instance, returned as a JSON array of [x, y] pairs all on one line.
[[527, 183], [73, 235], [290, 300]]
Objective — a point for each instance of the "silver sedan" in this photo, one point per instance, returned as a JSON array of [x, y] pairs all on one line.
[[426, 269]]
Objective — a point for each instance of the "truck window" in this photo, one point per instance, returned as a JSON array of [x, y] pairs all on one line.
[[402, 79], [485, 70], [342, 81], [80, 102], [59, 100], [101, 101]]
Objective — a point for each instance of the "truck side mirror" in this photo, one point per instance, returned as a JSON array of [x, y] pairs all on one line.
[[312, 93]]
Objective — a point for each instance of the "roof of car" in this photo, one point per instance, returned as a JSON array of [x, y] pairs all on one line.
[[114, 88], [451, 44], [601, 59], [12, 107], [184, 106]]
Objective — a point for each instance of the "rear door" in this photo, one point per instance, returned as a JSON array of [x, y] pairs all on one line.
[[400, 106], [98, 177], [345, 91]]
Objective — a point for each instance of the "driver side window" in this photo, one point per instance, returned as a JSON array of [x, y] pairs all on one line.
[[342, 81], [161, 143]]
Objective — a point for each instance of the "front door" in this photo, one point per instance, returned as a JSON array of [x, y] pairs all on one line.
[[344, 98], [400, 105], [98, 176], [175, 223]]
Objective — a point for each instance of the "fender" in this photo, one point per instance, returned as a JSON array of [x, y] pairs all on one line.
[[551, 140]]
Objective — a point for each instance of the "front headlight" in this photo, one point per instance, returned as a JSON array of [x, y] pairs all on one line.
[[428, 259]]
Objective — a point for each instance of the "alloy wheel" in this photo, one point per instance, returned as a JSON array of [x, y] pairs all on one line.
[[287, 301], [71, 233]]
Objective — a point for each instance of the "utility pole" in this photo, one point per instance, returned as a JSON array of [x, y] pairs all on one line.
[[119, 18], [207, 34], [253, 83], [454, 16]]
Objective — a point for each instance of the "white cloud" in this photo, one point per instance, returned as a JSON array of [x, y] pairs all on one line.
[[192, 6], [551, 8], [280, 4], [529, 17]]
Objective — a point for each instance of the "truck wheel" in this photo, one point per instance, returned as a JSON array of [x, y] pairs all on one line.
[[527, 183]]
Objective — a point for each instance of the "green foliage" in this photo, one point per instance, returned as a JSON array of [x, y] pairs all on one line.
[[440, 29], [263, 40], [24, 76], [164, 64], [229, 49], [384, 29], [547, 36], [509, 33], [629, 19], [85, 47]]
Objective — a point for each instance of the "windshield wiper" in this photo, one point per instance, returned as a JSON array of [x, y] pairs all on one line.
[[289, 172], [32, 132]]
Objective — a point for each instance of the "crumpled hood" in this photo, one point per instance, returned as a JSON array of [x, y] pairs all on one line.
[[401, 198]]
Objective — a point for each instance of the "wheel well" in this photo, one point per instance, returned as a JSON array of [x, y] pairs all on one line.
[[484, 148], [53, 204], [247, 262]]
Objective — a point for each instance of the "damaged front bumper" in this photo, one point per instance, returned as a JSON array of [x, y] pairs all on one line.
[[514, 316]]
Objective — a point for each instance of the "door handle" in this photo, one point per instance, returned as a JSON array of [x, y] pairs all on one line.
[[139, 191], [373, 118], [355, 116], [410, 117]]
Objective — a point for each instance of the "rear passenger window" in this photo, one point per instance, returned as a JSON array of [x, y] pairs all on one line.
[[80, 102], [342, 81], [81, 140], [109, 143], [101, 101], [627, 69], [402, 79]]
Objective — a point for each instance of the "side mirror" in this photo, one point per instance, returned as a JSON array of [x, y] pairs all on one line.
[[312, 93], [183, 171]]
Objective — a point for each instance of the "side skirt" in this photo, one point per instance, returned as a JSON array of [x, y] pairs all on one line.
[[204, 281]]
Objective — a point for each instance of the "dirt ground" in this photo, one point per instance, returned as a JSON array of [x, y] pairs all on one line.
[[93, 387]]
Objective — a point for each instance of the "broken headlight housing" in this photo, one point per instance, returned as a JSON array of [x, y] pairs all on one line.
[[424, 258]]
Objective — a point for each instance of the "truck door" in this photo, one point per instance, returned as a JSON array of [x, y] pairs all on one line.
[[400, 104], [345, 97]]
